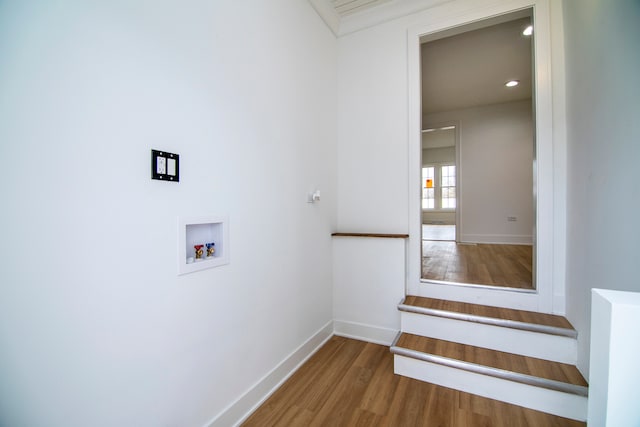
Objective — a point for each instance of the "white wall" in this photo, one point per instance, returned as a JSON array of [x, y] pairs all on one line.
[[438, 155], [96, 328], [372, 149], [368, 285], [496, 171], [603, 130]]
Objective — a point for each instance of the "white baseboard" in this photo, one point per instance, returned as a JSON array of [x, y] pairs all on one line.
[[244, 406], [500, 239], [364, 332]]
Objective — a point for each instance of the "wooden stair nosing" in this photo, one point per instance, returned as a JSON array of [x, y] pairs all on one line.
[[505, 323], [493, 372], [495, 321]]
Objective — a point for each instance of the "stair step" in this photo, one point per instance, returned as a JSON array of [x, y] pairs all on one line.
[[514, 367], [496, 316]]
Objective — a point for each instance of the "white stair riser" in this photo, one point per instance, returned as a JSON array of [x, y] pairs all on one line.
[[537, 398], [533, 344]]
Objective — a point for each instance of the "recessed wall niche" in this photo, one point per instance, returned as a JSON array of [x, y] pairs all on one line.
[[195, 236]]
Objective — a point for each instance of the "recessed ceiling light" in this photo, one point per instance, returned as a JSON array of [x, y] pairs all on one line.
[[528, 31], [512, 83]]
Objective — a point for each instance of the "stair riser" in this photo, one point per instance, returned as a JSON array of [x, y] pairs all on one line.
[[537, 398], [527, 343]]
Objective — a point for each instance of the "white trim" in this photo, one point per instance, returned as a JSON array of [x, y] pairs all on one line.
[[370, 15], [239, 411], [364, 332], [559, 158], [328, 13], [498, 239], [559, 305], [544, 266]]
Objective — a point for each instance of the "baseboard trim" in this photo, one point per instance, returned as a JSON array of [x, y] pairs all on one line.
[[245, 405], [498, 239], [364, 332]]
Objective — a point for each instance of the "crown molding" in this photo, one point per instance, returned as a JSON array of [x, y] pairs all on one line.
[[328, 13], [369, 15]]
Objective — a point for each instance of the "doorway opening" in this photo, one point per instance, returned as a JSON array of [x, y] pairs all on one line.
[[478, 215]]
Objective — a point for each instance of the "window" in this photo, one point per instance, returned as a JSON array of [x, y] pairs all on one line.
[[428, 189], [439, 187], [448, 187]]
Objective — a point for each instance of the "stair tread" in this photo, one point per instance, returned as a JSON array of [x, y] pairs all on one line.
[[540, 368], [531, 317]]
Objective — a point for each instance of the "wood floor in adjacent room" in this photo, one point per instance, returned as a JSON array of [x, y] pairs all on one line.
[[485, 264], [351, 383]]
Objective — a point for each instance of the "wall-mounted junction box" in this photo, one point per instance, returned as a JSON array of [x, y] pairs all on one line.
[[196, 231]]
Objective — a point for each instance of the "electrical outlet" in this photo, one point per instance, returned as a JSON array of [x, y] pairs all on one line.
[[165, 166], [161, 165]]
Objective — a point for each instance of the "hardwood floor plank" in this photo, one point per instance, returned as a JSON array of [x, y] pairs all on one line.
[[364, 418], [488, 264], [381, 391], [349, 389], [359, 388]]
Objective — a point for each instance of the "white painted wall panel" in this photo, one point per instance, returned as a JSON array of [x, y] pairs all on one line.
[[603, 151], [96, 328], [372, 145], [496, 171], [368, 284]]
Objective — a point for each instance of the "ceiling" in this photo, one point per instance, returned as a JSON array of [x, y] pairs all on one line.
[[471, 68], [462, 67]]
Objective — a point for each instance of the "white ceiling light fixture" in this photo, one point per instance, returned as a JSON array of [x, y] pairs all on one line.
[[512, 83], [528, 31]]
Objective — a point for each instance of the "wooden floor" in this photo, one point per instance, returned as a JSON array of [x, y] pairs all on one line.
[[351, 383], [485, 264]]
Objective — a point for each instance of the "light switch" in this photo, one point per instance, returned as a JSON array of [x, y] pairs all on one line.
[[165, 166]]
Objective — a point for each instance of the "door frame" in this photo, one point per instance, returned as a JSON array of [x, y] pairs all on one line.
[[542, 298], [456, 147]]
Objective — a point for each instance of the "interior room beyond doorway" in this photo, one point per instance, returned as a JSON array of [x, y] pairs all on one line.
[[478, 154]]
